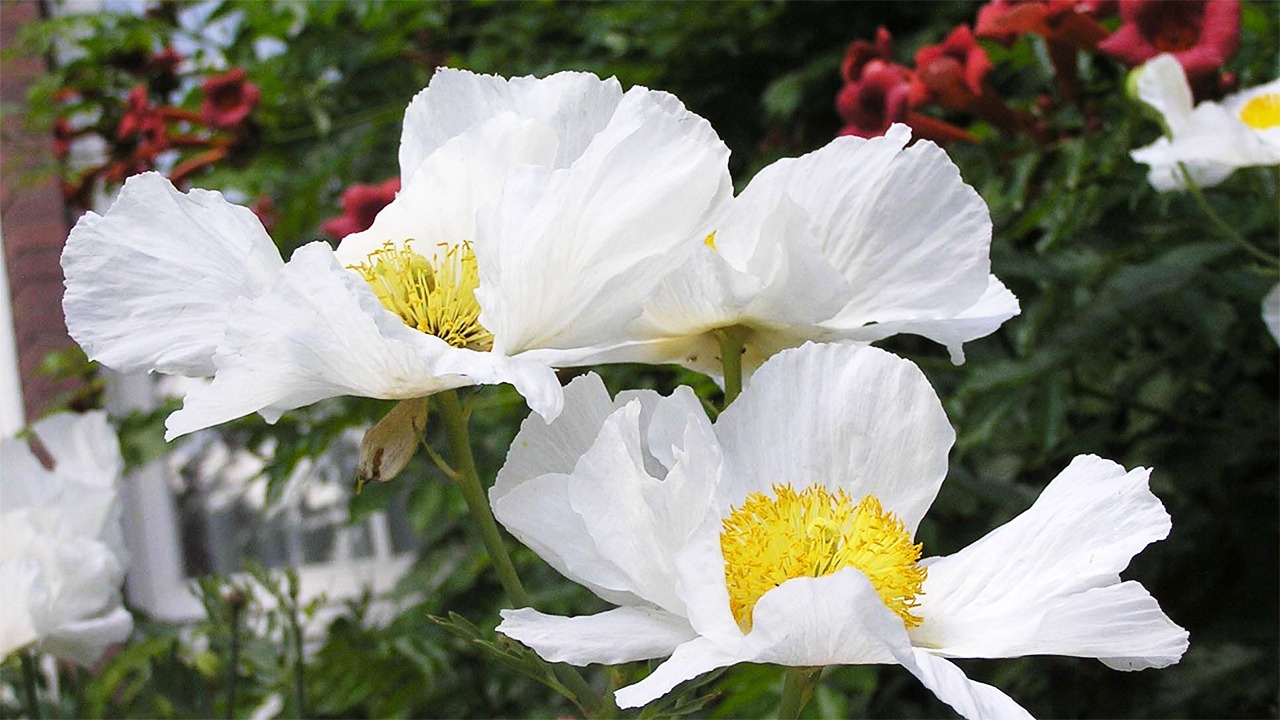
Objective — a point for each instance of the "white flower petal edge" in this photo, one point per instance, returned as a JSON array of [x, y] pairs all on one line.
[[62, 556], [1210, 140], [1271, 312], [1047, 582], [320, 333], [620, 635], [151, 283]]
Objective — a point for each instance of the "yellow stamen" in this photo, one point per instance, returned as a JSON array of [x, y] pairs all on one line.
[[710, 240], [1262, 112], [814, 533], [436, 297]]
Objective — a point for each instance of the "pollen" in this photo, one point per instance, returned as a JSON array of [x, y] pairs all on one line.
[[1262, 112], [436, 296], [710, 241], [813, 533]]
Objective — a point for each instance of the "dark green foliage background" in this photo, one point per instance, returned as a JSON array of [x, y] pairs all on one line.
[[1140, 340]]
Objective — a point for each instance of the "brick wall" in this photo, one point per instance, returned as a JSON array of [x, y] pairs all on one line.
[[33, 219]]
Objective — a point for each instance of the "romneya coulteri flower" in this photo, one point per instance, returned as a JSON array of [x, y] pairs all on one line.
[[62, 555], [535, 214], [1211, 140], [783, 534], [859, 240], [1202, 35]]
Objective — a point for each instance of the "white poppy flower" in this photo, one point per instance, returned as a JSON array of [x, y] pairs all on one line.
[[426, 299], [783, 533], [62, 555], [859, 240], [1211, 139]]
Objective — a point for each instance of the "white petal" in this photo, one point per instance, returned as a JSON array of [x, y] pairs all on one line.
[[151, 284], [541, 447], [576, 104], [21, 588], [1017, 590], [620, 635], [690, 660], [83, 446], [845, 416], [1162, 84], [908, 235], [569, 256], [973, 700], [984, 317], [836, 619], [440, 199], [84, 641], [321, 333], [1271, 312]]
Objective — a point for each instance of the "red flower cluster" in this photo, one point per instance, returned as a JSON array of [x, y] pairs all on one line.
[[360, 205], [146, 129]]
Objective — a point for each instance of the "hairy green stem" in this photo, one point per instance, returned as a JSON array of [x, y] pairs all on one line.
[[732, 343], [468, 481], [1222, 225], [29, 685], [798, 685]]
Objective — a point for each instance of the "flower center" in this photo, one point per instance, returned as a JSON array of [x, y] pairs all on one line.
[[1262, 112], [436, 297], [813, 533], [1176, 34]]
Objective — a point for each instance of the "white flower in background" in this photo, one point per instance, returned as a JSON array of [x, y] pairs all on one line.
[[859, 240], [1271, 312], [1211, 139], [783, 533], [428, 298], [62, 555]]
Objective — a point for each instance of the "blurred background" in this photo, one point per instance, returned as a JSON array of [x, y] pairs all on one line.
[[1140, 339]]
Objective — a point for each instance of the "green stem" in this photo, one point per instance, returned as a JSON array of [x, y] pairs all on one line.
[[233, 668], [29, 685], [732, 342], [468, 481], [299, 668], [1223, 226], [798, 685]]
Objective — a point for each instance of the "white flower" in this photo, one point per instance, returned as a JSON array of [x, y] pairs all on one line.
[[1212, 139], [62, 555], [436, 294], [859, 240], [782, 533]]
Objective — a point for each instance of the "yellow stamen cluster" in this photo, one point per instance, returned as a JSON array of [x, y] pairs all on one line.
[[436, 297], [813, 533], [710, 241], [1262, 112]]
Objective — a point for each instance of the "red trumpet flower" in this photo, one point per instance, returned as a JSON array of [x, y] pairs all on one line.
[[1201, 35], [360, 205], [228, 99]]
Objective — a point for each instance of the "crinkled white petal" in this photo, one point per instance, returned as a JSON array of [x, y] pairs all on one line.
[[847, 416], [151, 284], [438, 202], [569, 255], [1271, 312], [620, 635], [576, 104], [972, 700], [689, 660], [320, 333], [909, 236], [984, 317], [21, 588], [1023, 589]]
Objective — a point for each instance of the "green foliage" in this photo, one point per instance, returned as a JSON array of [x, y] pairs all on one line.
[[1139, 340]]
